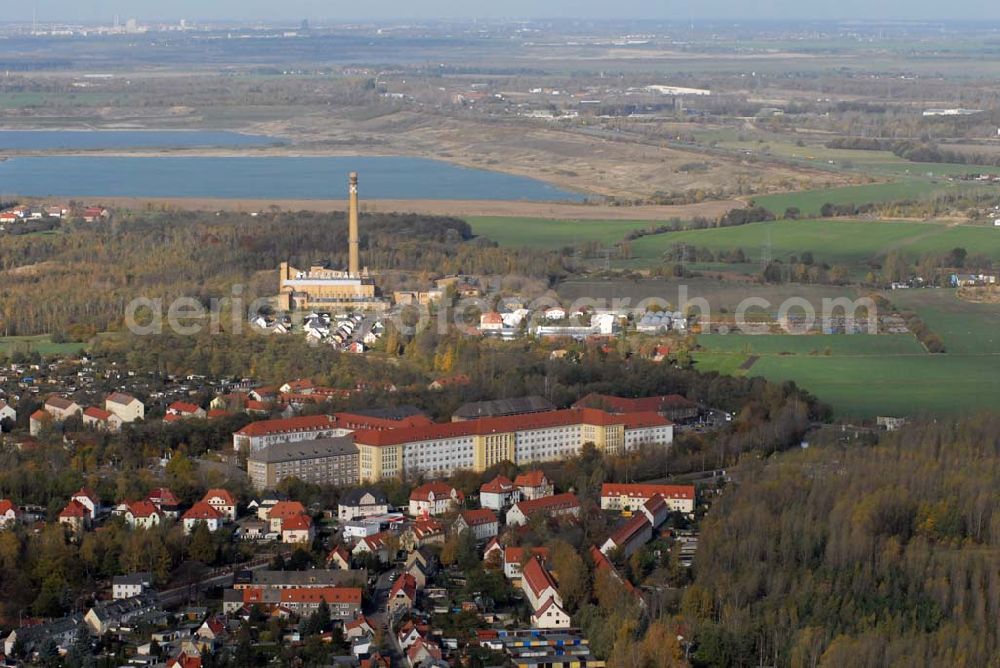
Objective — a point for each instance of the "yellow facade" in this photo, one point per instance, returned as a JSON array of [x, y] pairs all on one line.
[[377, 462], [491, 449]]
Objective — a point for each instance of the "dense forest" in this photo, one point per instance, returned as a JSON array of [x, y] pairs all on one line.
[[86, 275], [857, 556]]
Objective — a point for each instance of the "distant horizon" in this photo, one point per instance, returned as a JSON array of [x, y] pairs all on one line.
[[101, 11]]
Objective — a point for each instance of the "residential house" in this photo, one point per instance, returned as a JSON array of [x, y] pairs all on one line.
[[362, 502], [340, 558], [133, 584], [75, 516], [298, 530], [61, 408], [358, 628], [89, 500], [7, 412], [629, 537], [538, 585], [425, 531], [37, 421], [533, 485], [107, 616], [423, 653], [165, 501], [30, 639], [374, 545], [631, 496], [281, 511], [223, 501], [498, 494], [515, 557], [419, 575], [142, 515], [450, 382], [560, 505], [550, 616], [483, 523], [100, 419], [403, 593], [434, 498], [125, 406], [10, 514], [202, 512], [182, 410]]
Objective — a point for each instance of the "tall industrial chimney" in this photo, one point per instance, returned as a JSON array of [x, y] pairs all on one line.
[[354, 264]]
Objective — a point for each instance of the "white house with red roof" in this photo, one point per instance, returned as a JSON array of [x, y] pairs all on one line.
[[618, 496], [551, 616], [89, 500], [165, 501], [559, 505], [403, 593], [223, 501], [281, 511], [374, 545], [202, 512], [514, 556], [533, 485], [75, 516], [498, 493], [434, 498], [537, 584], [482, 522], [125, 406], [629, 537], [9, 513], [98, 418], [298, 530], [182, 410], [142, 515]]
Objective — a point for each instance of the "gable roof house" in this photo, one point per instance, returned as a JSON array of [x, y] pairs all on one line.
[[403, 593], [202, 512], [533, 485], [223, 501], [98, 418], [362, 502], [434, 498], [560, 505], [61, 408], [125, 406], [482, 522], [142, 515], [498, 493]]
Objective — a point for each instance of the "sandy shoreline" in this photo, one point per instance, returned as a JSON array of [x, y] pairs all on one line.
[[549, 210]]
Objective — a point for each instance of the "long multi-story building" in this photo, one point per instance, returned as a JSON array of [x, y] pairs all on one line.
[[441, 449], [260, 434], [324, 461]]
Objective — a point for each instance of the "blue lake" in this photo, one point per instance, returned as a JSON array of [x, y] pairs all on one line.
[[269, 177], [90, 140]]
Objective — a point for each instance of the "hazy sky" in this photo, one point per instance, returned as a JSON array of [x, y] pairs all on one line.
[[103, 10]]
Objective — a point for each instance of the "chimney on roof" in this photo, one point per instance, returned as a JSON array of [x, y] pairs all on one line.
[[352, 224]]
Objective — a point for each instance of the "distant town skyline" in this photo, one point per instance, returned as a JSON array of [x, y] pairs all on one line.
[[323, 10]]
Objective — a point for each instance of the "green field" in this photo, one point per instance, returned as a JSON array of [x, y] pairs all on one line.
[[41, 344], [810, 202], [865, 376], [552, 234], [849, 242]]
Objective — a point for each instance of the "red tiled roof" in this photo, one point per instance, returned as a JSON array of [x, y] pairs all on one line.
[[202, 511], [646, 491], [536, 577], [548, 504], [86, 492], [74, 509], [439, 489], [491, 318], [499, 485], [142, 509], [183, 407], [350, 595], [162, 496], [288, 425], [97, 413], [286, 509], [484, 426], [534, 478], [296, 523], [216, 413], [628, 531], [476, 517], [513, 555], [7, 505], [655, 503], [221, 494], [406, 584]]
